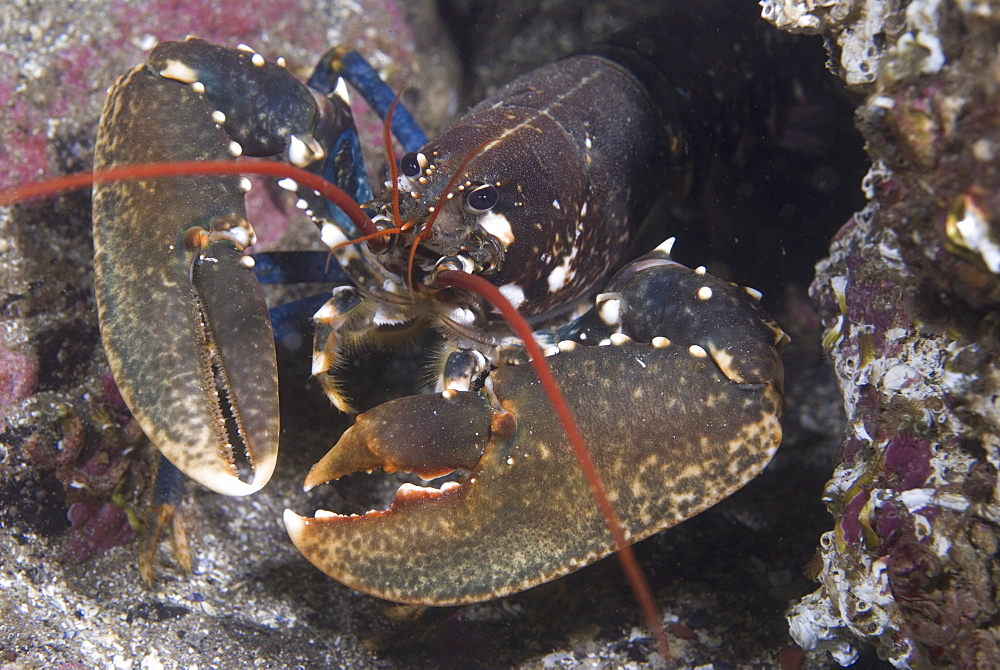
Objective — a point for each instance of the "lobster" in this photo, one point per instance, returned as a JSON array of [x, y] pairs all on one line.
[[674, 376]]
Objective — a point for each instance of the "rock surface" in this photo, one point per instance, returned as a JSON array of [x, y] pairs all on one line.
[[909, 298]]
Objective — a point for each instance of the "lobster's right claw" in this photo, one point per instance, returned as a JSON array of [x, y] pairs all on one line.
[[673, 425], [182, 317]]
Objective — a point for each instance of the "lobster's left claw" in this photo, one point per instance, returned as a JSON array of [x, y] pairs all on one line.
[[183, 319]]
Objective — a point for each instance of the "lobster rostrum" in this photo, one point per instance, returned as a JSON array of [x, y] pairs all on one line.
[[673, 376]]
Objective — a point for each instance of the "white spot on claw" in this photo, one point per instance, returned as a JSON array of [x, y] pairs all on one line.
[[298, 152], [660, 343], [235, 149], [257, 60], [610, 312], [704, 293], [218, 117], [247, 261], [697, 351], [179, 71], [667, 245]]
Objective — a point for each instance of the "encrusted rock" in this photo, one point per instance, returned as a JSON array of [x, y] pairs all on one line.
[[910, 296]]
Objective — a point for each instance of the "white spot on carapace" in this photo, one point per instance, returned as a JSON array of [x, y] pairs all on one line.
[[245, 185], [247, 261], [704, 293], [697, 351], [660, 343], [197, 87], [235, 149], [567, 345], [245, 47], [179, 71], [219, 117], [557, 278], [498, 226], [513, 293], [288, 184], [619, 339], [753, 293], [700, 270], [280, 62], [302, 204], [510, 461], [257, 60], [562, 274]]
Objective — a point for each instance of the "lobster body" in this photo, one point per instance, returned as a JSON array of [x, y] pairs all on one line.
[[674, 376], [572, 179]]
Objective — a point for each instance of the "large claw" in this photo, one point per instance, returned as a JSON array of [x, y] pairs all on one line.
[[670, 431], [183, 320]]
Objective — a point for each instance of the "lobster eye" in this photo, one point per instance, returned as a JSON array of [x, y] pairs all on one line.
[[482, 198], [409, 165]]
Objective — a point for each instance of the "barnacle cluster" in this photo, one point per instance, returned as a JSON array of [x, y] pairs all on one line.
[[909, 295]]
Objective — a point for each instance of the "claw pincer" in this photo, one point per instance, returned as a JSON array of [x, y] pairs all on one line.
[[675, 423], [183, 319]]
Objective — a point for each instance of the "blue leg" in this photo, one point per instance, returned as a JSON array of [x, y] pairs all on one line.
[[365, 80]]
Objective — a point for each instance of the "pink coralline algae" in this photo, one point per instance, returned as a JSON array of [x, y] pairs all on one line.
[[18, 377], [98, 478], [95, 528]]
